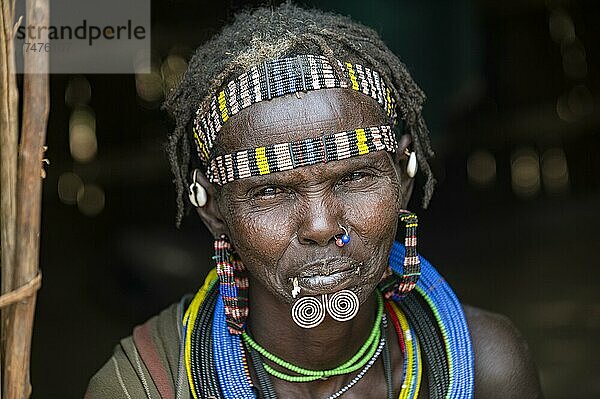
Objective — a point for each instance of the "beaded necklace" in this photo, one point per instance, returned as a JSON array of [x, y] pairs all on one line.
[[411, 380], [360, 359], [268, 391], [203, 375], [434, 352], [216, 360], [411, 350], [189, 322], [450, 318]]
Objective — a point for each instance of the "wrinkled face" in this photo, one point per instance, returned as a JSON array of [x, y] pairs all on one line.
[[284, 225]]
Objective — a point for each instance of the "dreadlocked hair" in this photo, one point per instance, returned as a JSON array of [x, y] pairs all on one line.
[[266, 33]]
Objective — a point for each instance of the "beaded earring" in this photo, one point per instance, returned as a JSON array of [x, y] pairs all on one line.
[[394, 286], [233, 285]]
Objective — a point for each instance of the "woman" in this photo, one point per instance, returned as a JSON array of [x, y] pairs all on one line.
[[297, 139]]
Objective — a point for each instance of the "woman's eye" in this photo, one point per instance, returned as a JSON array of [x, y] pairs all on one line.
[[355, 176], [268, 192]]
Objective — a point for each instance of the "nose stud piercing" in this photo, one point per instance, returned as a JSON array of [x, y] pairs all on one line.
[[344, 239]]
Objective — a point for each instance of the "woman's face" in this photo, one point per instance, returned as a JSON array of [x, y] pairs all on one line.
[[284, 225]]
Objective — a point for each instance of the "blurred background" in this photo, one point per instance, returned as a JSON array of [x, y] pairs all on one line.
[[513, 109]]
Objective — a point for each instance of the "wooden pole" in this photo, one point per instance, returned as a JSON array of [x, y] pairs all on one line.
[[29, 187], [9, 134]]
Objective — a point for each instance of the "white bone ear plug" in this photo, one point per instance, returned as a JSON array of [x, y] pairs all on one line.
[[197, 193], [411, 168]]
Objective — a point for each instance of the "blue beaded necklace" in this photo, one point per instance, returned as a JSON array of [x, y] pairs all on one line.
[[232, 370], [451, 320]]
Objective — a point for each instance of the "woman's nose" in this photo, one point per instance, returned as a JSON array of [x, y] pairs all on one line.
[[319, 224]]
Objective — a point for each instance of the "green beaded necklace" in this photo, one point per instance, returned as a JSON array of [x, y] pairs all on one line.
[[360, 358]]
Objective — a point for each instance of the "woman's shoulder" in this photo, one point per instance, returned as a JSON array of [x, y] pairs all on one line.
[[145, 364], [503, 365]]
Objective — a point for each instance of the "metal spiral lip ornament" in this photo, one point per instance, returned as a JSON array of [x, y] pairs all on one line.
[[343, 305], [308, 312]]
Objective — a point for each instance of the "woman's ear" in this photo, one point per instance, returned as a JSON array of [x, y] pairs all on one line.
[[401, 164], [209, 211]]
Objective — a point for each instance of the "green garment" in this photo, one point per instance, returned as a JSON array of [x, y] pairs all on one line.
[[148, 364]]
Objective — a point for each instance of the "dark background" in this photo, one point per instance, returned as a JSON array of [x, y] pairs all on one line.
[[513, 105]]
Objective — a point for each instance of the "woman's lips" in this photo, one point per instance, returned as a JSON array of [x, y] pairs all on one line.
[[327, 275], [328, 283], [324, 267]]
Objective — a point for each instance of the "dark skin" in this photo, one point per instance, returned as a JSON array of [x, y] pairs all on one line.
[[285, 223]]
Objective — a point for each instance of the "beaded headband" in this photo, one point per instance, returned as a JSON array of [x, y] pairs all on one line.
[[285, 156], [279, 77]]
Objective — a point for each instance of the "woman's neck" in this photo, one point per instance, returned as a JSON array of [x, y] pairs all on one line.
[[323, 347]]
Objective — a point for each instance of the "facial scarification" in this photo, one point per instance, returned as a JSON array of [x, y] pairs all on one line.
[[283, 225]]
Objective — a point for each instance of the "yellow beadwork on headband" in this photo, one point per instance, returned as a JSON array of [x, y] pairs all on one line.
[[279, 77]]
